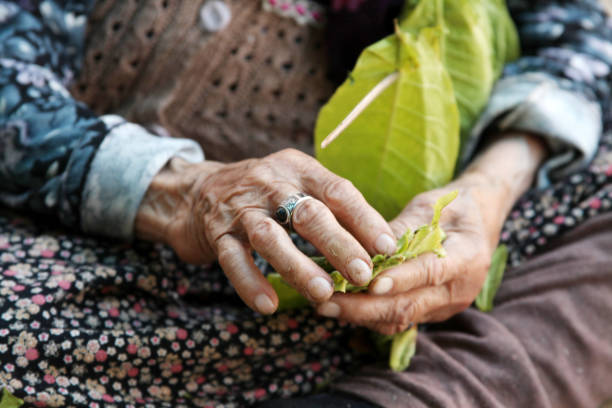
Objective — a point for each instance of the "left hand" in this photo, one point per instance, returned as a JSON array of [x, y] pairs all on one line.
[[431, 289], [428, 288]]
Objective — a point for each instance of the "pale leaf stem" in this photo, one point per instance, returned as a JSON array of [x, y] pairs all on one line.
[[360, 107]]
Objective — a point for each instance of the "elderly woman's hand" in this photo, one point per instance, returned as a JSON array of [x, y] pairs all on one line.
[[210, 210], [429, 288]]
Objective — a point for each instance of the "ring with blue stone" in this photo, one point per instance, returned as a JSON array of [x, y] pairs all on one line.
[[284, 212]]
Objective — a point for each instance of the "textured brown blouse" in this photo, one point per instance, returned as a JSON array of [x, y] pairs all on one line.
[[247, 90]]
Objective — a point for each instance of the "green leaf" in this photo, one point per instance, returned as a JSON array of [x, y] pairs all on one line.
[[406, 141], [403, 347], [382, 343], [340, 282], [440, 204], [323, 263], [404, 241], [288, 297], [479, 39], [448, 54], [9, 400], [484, 300]]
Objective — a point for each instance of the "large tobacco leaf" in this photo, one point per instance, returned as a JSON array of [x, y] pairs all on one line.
[[479, 39], [407, 140]]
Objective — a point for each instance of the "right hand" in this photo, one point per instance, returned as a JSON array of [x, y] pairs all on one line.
[[210, 210]]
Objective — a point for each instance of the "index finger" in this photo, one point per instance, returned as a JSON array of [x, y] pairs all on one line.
[[351, 209]]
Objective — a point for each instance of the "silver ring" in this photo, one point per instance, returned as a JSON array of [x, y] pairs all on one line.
[[284, 212]]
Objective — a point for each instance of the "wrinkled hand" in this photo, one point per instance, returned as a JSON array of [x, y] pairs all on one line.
[[428, 288], [223, 211]]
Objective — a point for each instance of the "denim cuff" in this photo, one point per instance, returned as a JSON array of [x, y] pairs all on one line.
[[568, 122], [121, 172]]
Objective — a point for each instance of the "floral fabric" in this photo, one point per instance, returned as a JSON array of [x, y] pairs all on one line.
[[49, 141], [92, 323], [89, 323], [560, 88], [571, 43]]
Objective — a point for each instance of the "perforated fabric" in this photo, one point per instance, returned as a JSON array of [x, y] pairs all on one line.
[[246, 91]]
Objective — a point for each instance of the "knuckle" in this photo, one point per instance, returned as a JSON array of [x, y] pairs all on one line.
[[291, 155], [290, 152], [263, 234], [339, 191], [227, 256], [308, 212], [434, 271], [260, 174], [402, 311], [453, 293]]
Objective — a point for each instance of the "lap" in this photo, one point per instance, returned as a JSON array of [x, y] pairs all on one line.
[[547, 343], [89, 321]]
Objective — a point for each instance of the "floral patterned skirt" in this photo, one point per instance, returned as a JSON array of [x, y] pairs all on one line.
[[91, 323], [87, 322]]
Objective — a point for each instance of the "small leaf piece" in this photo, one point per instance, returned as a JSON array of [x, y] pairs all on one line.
[[288, 297], [340, 282], [484, 300], [403, 347], [9, 400], [323, 263], [440, 204]]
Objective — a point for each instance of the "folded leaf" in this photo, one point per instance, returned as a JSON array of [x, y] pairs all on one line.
[[339, 282], [403, 347], [9, 400], [484, 300], [479, 39], [288, 297], [406, 141]]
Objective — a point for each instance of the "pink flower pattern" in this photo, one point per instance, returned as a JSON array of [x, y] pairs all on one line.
[[91, 323], [305, 12]]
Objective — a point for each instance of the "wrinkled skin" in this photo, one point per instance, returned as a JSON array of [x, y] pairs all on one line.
[[222, 212], [429, 288], [210, 210]]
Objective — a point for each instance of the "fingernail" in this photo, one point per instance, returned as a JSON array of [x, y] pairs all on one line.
[[264, 304], [329, 309], [360, 271], [319, 288], [382, 286], [385, 244]]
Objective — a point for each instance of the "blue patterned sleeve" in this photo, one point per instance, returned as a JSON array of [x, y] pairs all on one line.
[[560, 87], [47, 140], [56, 156]]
